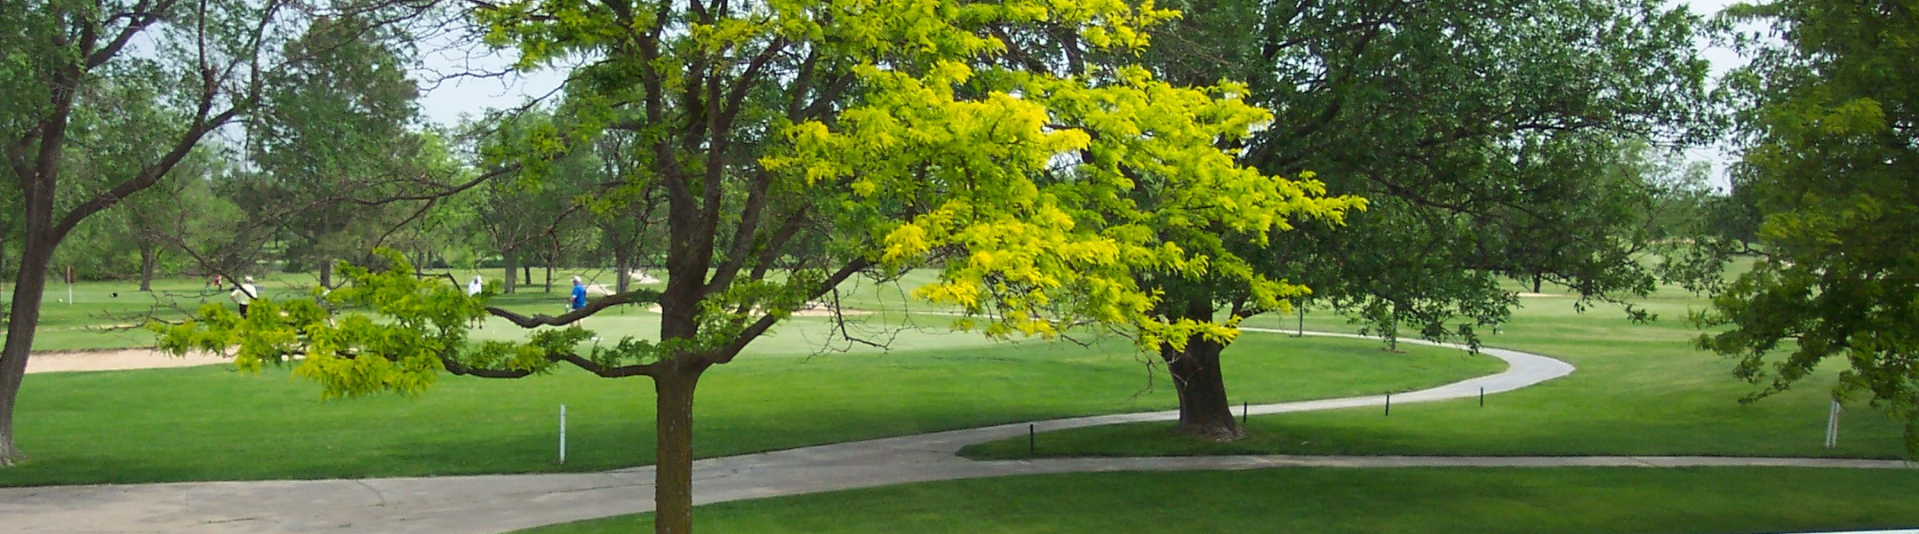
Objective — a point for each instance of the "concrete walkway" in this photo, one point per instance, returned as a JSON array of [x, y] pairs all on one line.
[[500, 503]]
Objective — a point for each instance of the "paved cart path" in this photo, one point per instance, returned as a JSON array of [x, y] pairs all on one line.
[[500, 503]]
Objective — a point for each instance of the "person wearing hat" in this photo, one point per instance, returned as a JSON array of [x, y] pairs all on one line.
[[473, 289], [579, 296], [244, 294]]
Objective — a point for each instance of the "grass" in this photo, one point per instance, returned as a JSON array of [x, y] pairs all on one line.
[[1337, 501], [1639, 390], [84, 323], [209, 423]]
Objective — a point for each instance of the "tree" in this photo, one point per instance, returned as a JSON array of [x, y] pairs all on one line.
[[337, 119], [223, 236], [1831, 167], [801, 143], [521, 216], [566, 191], [174, 215], [147, 219], [144, 236], [624, 216], [109, 245], [1473, 129], [64, 61], [1683, 197]]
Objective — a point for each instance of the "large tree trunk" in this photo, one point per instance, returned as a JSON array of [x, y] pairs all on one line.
[[326, 274], [36, 252], [28, 289], [149, 258], [512, 262], [673, 472], [43, 234], [1203, 408]]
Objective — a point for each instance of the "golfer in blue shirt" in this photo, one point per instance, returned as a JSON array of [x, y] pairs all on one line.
[[579, 296]]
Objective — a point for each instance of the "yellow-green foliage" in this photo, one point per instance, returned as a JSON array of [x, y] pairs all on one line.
[[388, 332], [1047, 194], [1042, 190]]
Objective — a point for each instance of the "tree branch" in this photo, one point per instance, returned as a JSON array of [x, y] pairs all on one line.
[[137, 21], [743, 234], [622, 371], [592, 307], [732, 348], [151, 174]]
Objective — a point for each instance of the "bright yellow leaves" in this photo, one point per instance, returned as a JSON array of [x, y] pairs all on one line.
[[1041, 199], [1178, 332], [905, 243]]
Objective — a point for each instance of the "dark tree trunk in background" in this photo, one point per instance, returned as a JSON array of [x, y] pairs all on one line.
[[673, 420], [552, 258], [1203, 408], [148, 259], [623, 262], [4, 279], [1536, 281], [326, 274], [512, 263]]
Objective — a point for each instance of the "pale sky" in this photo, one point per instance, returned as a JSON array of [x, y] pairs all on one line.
[[445, 102], [1723, 59]]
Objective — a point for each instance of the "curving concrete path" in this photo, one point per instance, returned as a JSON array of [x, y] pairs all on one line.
[[500, 503]]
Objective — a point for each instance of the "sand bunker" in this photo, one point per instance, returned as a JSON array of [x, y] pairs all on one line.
[[114, 360]]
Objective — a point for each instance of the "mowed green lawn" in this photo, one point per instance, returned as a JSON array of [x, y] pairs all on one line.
[[1638, 390], [210, 423], [1338, 501]]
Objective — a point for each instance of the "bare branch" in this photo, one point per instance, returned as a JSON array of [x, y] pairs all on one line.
[[766, 322]]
